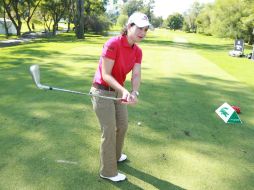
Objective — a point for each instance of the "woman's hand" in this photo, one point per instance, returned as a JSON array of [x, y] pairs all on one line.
[[134, 97], [129, 98]]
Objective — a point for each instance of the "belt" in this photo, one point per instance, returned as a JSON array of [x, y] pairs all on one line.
[[102, 87]]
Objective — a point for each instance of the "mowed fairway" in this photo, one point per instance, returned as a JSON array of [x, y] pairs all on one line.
[[50, 140]]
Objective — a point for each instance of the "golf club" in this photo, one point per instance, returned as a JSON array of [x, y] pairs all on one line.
[[35, 72]]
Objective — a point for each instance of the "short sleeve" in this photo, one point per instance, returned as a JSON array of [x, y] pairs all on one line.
[[139, 56], [110, 49]]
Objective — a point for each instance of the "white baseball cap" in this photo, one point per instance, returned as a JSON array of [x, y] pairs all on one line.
[[139, 19]]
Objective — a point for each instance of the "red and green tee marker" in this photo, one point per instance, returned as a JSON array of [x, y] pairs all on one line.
[[228, 114]]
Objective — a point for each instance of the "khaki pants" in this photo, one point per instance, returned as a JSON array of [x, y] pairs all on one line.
[[113, 119]]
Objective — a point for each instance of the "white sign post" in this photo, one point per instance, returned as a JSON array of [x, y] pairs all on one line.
[[228, 114]]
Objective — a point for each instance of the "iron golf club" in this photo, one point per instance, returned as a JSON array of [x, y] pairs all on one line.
[[35, 72]]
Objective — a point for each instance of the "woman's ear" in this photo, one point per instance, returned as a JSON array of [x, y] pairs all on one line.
[[129, 26]]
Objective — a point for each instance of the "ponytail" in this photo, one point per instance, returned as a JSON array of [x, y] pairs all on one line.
[[124, 31]]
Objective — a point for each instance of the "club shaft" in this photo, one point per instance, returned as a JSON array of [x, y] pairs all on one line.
[[35, 72], [70, 91], [81, 93]]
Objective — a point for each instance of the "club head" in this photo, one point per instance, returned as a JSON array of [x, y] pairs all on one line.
[[35, 72]]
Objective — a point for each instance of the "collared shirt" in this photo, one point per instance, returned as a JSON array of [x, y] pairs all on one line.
[[124, 56]]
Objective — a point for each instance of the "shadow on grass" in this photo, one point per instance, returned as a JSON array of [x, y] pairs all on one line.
[[145, 177], [60, 38], [40, 53], [52, 125], [179, 110]]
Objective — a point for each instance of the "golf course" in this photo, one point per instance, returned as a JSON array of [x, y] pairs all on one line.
[[51, 140]]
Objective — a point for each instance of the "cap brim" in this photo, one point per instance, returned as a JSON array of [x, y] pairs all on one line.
[[141, 25]]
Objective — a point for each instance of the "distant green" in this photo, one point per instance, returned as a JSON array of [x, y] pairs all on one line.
[[181, 142]]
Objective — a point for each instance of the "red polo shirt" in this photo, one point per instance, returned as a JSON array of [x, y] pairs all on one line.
[[124, 55]]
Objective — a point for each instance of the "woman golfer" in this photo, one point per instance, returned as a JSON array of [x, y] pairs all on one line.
[[120, 55]]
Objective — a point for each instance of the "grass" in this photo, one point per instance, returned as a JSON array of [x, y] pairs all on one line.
[[3, 37], [181, 143]]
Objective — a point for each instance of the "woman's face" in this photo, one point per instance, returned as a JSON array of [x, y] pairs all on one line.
[[136, 34]]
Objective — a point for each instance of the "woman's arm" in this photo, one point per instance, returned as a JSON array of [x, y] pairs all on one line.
[[136, 77], [107, 65], [135, 82]]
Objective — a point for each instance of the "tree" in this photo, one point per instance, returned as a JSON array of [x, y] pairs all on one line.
[[122, 20], [113, 11], [57, 9], [79, 19], [148, 9], [90, 14], [46, 17], [99, 23], [186, 26], [70, 13], [14, 11], [3, 12], [95, 17], [1, 8], [248, 21], [191, 15], [226, 21], [228, 18], [204, 19], [30, 8], [175, 21], [132, 6], [157, 21], [92, 7]]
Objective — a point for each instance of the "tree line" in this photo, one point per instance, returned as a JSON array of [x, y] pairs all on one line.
[[84, 14], [223, 18]]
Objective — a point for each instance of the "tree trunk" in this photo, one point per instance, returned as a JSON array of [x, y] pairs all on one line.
[[19, 30], [16, 16], [5, 26], [69, 27], [79, 20], [251, 39], [19, 26], [251, 36], [28, 25], [31, 15], [54, 28]]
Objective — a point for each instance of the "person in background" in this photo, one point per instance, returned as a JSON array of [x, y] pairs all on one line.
[[120, 55]]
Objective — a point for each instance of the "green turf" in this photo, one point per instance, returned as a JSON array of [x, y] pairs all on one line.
[[181, 143], [3, 37]]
